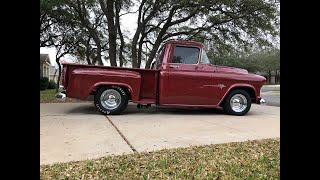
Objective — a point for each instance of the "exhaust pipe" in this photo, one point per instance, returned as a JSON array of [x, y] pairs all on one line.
[[139, 106], [61, 96]]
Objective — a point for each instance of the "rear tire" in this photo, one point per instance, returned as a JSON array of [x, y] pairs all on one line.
[[111, 100], [237, 102]]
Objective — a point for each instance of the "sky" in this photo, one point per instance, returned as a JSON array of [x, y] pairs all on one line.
[[127, 21]]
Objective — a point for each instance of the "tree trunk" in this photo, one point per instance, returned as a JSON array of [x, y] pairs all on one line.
[[156, 47], [54, 76], [140, 51], [86, 23], [99, 55], [118, 7], [135, 39], [97, 41], [152, 55], [155, 7], [269, 74], [159, 39], [112, 30], [88, 54], [59, 75]]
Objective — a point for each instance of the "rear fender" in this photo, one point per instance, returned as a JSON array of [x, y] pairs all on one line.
[[96, 86], [86, 80]]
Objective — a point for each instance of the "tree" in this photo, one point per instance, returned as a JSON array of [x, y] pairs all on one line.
[[65, 43], [111, 10], [269, 62], [259, 60], [223, 25], [81, 8], [65, 24], [108, 10], [224, 22]]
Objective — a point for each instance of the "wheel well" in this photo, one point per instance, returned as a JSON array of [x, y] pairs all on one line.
[[126, 89], [249, 90]]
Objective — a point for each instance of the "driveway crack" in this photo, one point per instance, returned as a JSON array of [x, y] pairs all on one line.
[[123, 137]]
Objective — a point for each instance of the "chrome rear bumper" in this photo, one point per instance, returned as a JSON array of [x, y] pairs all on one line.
[[61, 96]]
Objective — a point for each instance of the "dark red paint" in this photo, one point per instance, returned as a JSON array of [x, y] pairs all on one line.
[[195, 85]]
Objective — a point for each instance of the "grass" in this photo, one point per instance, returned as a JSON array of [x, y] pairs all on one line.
[[258, 159], [276, 91], [48, 96]]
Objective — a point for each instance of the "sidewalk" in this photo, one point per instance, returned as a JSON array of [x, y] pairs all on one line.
[[76, 131]]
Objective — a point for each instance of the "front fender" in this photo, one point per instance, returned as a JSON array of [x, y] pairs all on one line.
[[238, 85]]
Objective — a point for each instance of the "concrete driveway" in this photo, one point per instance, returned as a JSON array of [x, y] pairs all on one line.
[[267, 88], [270, 95], [76, 131]]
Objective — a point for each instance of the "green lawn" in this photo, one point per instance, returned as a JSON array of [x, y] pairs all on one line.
[[276, 91], [259, 159], [48, 96]]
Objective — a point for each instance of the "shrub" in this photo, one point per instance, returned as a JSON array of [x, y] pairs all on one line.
[[44, 83], [52, 84]]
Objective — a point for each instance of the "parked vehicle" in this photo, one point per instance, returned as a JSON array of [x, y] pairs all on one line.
[[182, 75]]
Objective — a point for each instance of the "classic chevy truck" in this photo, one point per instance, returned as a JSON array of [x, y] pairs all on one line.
[[182, 75]]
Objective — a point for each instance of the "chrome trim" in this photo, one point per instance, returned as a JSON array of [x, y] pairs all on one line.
[[60, 96], [238, 103], [110, 99], [262, 102], [217, 85]]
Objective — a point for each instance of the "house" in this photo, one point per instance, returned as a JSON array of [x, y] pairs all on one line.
[[53, 73], [44, 65]]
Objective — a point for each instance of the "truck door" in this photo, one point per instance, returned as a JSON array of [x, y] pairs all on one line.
[[189, 82]]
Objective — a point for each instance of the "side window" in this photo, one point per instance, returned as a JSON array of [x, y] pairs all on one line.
[[185, 55]]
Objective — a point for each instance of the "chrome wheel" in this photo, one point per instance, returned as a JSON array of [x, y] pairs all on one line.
[[110, 99], [238, 103]]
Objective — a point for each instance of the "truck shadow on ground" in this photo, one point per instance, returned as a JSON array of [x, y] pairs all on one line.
[[133, 110], [156, 110]]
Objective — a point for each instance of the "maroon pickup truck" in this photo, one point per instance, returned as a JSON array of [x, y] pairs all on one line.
[[180, 76]]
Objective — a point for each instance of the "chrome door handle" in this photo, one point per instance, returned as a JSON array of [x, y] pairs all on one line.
[[173, 67]]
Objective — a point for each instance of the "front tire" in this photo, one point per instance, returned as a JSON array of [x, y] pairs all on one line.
[[111, 100], [237, 102]]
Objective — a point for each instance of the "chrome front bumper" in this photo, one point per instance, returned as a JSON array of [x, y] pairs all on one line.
[[61, 96], [262, 102]]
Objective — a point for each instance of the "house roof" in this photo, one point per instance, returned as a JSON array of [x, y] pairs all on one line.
[[44, 58]]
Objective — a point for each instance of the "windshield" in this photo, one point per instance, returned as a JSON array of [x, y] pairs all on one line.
[[205, 59]]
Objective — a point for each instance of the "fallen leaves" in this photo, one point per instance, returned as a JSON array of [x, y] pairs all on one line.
[[259, 159]]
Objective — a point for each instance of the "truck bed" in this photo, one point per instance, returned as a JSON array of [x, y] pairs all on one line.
[[86, 78]]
